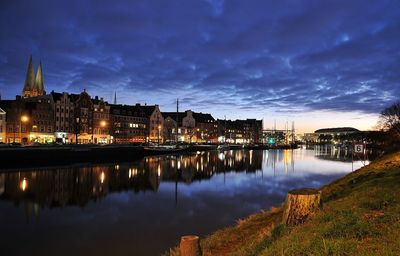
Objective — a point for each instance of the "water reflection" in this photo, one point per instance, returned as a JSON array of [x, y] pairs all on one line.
[[77, 185], [157, 198]]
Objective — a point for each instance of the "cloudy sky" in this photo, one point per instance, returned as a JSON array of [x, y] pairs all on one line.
[[318, 63]]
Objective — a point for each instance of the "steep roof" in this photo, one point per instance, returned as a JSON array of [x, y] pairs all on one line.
[[30, 76], [39, 82], [148, 109], [203, 117], [172, 115]]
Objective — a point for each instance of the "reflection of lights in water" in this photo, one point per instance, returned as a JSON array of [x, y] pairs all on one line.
[[198, 152], [159, 171], [23, 185], [251, 156], [132, 172], [179, 164], [197, 166], [102, 177], [173, 164], [221, 156], [116, 167]]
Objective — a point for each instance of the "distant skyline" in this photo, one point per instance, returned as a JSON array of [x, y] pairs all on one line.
[[318, 63]]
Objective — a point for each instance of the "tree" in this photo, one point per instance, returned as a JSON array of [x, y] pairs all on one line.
[[390, 119]]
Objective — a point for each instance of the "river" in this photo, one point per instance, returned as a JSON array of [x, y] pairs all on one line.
[[143, 207]]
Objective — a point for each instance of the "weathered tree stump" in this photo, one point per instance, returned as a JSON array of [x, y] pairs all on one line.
[[190, 246], [300, 204]]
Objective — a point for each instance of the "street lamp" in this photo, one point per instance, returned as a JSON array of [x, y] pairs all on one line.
[[159, 130], [23, 119], [102, 125], [77, 128]]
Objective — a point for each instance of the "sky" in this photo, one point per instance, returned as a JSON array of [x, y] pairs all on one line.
[[317, 63]]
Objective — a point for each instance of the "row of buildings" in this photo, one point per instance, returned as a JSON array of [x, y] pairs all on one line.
[[79, 118]]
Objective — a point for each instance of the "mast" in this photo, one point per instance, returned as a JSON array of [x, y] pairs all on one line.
[[177, 116]]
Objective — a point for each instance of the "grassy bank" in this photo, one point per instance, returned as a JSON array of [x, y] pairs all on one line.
[[360, 216]]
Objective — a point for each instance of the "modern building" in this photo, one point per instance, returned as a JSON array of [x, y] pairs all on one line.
[[335, 135], [240, 131], [129, 124]]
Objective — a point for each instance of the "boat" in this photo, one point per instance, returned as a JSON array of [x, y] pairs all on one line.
[[223, 147], [164, 149]]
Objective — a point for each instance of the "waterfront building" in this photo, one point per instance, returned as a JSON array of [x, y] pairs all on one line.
[[335, 135], [230, 131], [39, 122], [129, 124], [64, 116], [192, 127], [3, 126], [252, 130], [83, 115], [310, 137], [206, 128], [34, 86], [155, 123], [29, 119], [101, 121], [15, 128], [170, 126], [240, 131]]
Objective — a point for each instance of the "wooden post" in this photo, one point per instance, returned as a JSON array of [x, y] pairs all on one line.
[[300, 204], [190, 246]]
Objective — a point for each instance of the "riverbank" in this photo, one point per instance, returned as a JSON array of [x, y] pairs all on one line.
[[48, 155], [360, 216]]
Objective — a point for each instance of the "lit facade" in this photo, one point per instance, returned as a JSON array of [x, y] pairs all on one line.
[[101, 121], [156, 123], [3, 126], [129, 124], [64, 116]]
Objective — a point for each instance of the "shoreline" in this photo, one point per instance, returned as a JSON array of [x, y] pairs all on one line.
[[38, 156], [360, 216]]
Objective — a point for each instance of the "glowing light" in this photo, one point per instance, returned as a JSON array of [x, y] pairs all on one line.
[[159, 170], [103, 123], [102, 177], [23, 185], [24, 119]]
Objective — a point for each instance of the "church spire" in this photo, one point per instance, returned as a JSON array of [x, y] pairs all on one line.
[[29, 80], [115, 98], [39, 83]]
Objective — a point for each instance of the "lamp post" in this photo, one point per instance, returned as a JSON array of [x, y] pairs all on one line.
[[102, 125], [159, 130], [76, 130], [23, 119]]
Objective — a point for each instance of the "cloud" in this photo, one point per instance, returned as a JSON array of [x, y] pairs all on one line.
[[240, 55]]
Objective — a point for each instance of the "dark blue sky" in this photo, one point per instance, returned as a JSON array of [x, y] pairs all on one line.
[[320, 63]]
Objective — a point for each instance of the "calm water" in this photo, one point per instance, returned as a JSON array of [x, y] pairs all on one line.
[[142, 208]]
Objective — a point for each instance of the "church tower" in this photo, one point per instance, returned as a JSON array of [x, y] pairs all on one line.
[[39, 83], [33, 86]]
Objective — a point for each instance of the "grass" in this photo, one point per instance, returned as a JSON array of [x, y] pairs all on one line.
[[360, 216]]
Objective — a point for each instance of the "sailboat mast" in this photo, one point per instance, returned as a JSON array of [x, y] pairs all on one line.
[[177, 121]]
